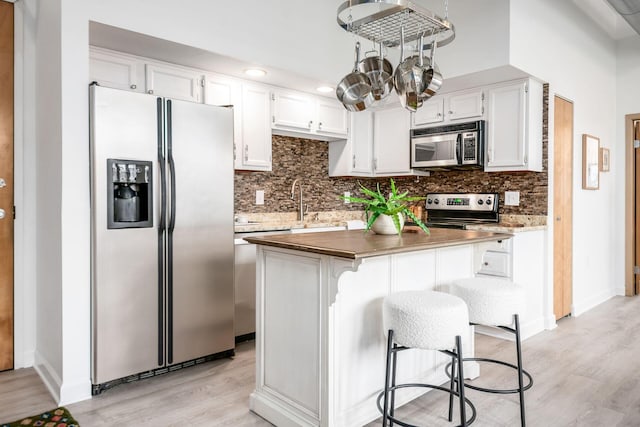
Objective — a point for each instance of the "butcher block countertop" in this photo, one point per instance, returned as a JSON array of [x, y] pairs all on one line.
[[355, 244]]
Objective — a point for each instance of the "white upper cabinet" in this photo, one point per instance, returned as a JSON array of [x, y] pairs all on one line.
[[255, 152], [514, 126], [115, 70], [432, 111], [174, 82], [299, 114], [332, 117], [455, 107], [224, 91], [378, 145], [465, 105], [391, 142], [293, 110]]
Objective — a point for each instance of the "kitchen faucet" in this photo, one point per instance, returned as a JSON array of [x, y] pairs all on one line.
[[301, 209]]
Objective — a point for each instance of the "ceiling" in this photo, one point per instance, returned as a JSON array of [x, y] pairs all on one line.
[[603, 14]]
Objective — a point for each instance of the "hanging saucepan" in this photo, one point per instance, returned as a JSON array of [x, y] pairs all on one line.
[[354, 90], [432, 75], [409, 78], [380, 72]]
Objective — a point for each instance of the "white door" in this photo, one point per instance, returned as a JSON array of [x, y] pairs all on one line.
[[116, 71], [506, 133], [432, 111], [466, 105], [361, 140]]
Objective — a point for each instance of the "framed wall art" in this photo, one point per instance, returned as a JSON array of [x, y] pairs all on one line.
[[590, 162], [605, 159]]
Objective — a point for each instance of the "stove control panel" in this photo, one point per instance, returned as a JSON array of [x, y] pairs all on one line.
[[487, 202]]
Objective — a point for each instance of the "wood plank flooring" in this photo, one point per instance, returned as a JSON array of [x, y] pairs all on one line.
[[586, 373]]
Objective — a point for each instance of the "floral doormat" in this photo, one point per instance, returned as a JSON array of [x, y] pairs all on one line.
[[59, 417]]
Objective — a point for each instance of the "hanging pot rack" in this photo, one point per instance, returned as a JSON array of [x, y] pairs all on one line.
[[380, 21]]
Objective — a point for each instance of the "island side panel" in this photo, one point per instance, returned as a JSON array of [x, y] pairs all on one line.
[[289, 361]]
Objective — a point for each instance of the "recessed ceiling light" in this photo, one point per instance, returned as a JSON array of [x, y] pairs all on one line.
[[255, 72], [324, 89]]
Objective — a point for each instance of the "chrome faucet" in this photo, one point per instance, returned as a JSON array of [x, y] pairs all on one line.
[[301, 208]]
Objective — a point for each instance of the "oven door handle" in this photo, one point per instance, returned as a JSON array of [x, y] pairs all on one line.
[[459, 148]]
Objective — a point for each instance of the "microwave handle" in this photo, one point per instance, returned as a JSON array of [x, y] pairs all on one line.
[[459, 148]]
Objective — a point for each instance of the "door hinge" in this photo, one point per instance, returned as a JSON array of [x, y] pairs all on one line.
[[636, 269], [526, 88], [202, 82], [636, 143], [273, 96], [14, 212], [482, 96]]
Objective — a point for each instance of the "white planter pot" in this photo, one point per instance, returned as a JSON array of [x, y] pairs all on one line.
[[384, 224]]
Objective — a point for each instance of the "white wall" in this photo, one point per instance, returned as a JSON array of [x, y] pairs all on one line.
[[628, 102], [556, 42], [42, 19]]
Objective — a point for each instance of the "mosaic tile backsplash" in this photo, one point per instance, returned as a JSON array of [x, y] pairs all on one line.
[[308, 161]]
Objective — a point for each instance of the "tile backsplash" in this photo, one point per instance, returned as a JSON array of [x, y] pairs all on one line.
[[308, 161]]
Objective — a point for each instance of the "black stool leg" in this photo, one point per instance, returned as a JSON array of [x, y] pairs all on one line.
[[516, 319], [385, 411], [463, 416], [452, 386], [393, 383]]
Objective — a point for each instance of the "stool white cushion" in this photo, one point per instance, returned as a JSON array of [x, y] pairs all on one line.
[[425, 319], [491, 301]]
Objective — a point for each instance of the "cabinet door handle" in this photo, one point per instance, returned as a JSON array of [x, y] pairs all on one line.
[[450, 112], [439, 114], [310, 123], [375, 164], [246, 153], [319, 125], [133, 86], [486, 263], [150, 91], [354, 161]]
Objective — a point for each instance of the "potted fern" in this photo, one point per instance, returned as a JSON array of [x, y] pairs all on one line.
[[386, 215]]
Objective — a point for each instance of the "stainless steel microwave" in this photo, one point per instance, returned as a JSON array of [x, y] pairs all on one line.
[[449, 147]]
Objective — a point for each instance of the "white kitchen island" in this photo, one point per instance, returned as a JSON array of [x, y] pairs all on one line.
[[320, 345]]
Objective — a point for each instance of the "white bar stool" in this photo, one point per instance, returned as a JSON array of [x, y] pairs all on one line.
[[426, 320], [495, 302]]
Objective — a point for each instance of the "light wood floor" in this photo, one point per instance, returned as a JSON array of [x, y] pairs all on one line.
[[586, 372]]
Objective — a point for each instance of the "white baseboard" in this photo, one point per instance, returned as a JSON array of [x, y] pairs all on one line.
[[24, 360], [48, 375], [62, 393], [581, 307], [72, 393]]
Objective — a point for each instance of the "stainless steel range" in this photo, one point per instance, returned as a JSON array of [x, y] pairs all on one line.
[[457, 210]]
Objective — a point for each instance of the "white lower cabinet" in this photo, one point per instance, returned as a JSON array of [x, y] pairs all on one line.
[[522, 260], [514, 126], [174, 82]]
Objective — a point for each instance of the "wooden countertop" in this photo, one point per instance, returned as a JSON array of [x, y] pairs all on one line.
[[356, 244]]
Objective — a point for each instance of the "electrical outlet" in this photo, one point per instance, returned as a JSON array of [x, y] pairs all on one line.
[[259, 197], [347, 194], [512, 198]]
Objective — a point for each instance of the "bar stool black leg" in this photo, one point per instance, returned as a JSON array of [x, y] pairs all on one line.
[[463, 415], [452, 386], [393, 383], [516, 319], [385, 411]]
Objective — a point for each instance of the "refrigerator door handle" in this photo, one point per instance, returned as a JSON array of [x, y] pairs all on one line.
[[172, 223], [161, 230]]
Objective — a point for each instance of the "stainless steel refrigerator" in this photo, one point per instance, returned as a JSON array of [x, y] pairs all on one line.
[[162, 233]]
